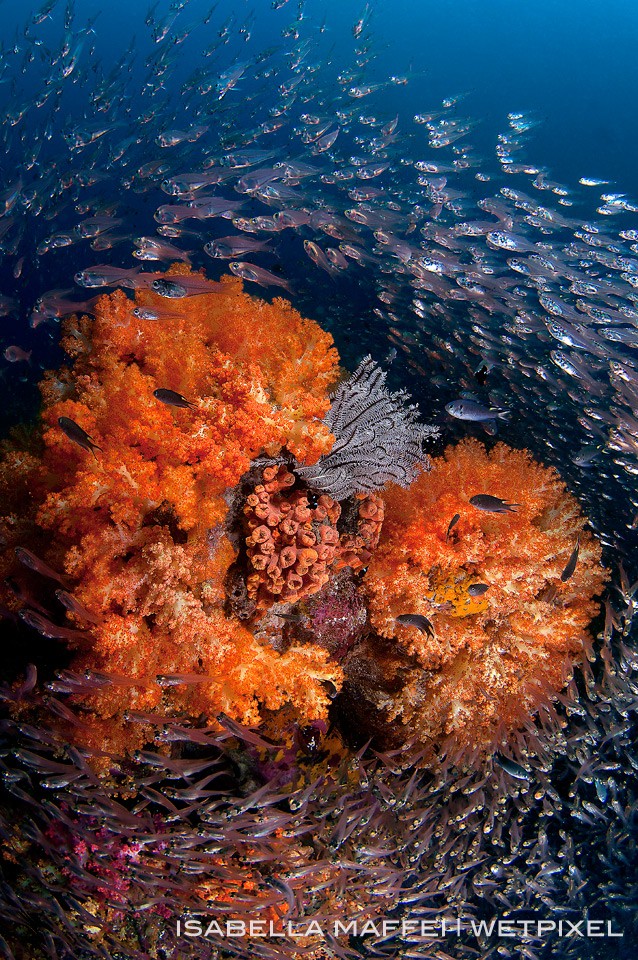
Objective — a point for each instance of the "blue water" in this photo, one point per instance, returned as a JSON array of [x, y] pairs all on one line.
[[571, 63]]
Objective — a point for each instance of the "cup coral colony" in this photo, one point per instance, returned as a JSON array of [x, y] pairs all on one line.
[[257, 598]]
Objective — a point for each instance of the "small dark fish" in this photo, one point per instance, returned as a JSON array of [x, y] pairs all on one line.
[[481, 373], [34, 563], [47, 628], [478, 589], [416, 620], [172, 399], [571, 563], [169, 288], [453, 522], [586, 455], [75, 433], [292, 617], [483, 501]]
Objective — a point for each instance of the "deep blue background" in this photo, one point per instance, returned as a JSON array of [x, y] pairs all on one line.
[[574, 63]]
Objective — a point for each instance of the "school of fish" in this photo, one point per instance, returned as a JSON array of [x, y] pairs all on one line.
[[282, 166]]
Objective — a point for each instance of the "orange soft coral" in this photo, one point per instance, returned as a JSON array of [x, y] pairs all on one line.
[[176, 543], [491, 656], [138, 528]]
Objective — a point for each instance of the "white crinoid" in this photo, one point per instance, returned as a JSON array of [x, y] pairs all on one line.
[[378, 437]]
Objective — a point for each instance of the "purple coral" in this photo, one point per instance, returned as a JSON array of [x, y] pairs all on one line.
[[336, 617]]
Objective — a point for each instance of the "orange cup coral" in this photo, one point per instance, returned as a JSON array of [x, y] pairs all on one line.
[[293, 544], [291, 541], [496, 650]]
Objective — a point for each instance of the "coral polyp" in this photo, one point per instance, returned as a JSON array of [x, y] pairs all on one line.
[[291, 539]]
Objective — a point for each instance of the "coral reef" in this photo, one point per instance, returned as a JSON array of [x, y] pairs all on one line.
[[136, 528], [177, 508], [491, 658], [232, 609]]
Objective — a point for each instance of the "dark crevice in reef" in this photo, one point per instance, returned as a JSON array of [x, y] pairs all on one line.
[[375, 672], [164, 516]]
